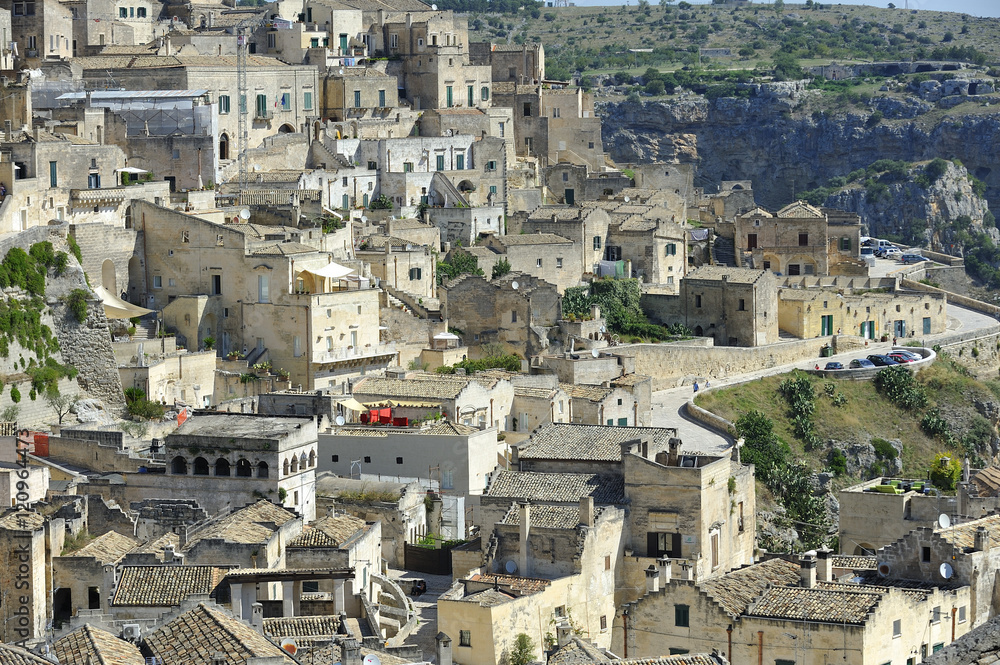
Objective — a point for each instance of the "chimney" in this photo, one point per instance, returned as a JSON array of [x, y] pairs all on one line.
[[8, 128], [587, 511], [166, 43], [595, 311], [982, 541], [35, 132], [90, 99], [687, 571], [524, 520], [652, 579], [350, 652], [807, 572], [674, 446], [564, 633], [965, 470], [555, 218], [666, 570], [409, 20], [257, 616], [168, 554], [662, 458], [824, 567], [443, 646]]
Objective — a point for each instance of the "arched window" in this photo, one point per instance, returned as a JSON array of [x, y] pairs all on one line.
[[179, 466], [484, 94], [312, 458], [284, 468], [303, 462], [295, 464], [262, 470], [244, 469], [222, 467], [200, 466]]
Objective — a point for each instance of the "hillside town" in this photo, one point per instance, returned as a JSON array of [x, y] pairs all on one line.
[[244, 246]]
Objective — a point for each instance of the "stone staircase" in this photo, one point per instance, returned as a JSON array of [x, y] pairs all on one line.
[[146, 328], [723, 251]]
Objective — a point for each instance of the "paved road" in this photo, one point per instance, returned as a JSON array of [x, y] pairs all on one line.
[[425, 606], [668, 405]]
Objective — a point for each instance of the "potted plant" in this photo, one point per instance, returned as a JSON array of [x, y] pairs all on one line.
[[209, 343]]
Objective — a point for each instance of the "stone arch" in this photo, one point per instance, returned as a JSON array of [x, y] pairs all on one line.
[[699, 331], [179, 466], [222, 467], [243, 468], [737, 187], [773, 262], [136, 279], [262, 470], [200, 466], [109, 280], [284, 468], [286, 129], [466, 186], [224, 146]]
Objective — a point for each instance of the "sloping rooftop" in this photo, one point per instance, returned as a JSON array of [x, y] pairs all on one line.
[[329, 532], [572, 441], [252, 524], [516, 583], [302, 626], [557, 487], [88, 645], [980, 645], [547, 517], [736, 590], [546, 213], [22, 520], [441, 388], [108, 548], [12, 655], [196, 635], [577, 652], [734, 275], [523, 239], [987, 481], [828, 605], [799, 209], [164, 586], [106, 62], [589, 393], [157, 546], [964, 535], [283, 249], [231, 425], [854, 562]]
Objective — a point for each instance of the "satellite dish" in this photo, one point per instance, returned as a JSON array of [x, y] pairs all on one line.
[[341, 70], [510, 566], [245, 213], [944, 521], [603, 329], [371, 659], [946, 570], [288, 644], [340, 421], [364, 219], [626, 199], [884, 569], [434, 7], [595, 353], [514, 285]]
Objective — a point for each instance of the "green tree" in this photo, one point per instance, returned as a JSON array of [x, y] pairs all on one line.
[[779, 6], [786, 67], [459, 262], [61, 404], [500, 268], [523, 651], [945, 472]]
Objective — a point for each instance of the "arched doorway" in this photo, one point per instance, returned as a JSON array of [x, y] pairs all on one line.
[[286, 129], [136, 280], [108, 279], [224, 147]]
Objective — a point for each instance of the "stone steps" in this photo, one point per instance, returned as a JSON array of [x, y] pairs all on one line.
[[723, 252]]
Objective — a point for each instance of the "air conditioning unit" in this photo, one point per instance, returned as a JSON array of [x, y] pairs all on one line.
[[131, 632]]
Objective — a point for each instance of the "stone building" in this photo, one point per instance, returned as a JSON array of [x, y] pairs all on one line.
[[524, 63], [586, 227], [339, 541], [43, 31], [26, 539], [788, 612], [871, 519], [254, 536], [535, 406], [494, 311], [357, 93], [573, 183], [6, 53], [800, 239], [101, 23], [84, 579], [399, 265], [544, 256]]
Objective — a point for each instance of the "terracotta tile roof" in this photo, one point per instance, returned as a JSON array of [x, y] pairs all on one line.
[[523, 239], [488, 598], [589, 393], [109, 548], [964, 535], [251, 524], [799, 209], [918, 594], [195, 635], [685, 659], [157, 546], [164, 586], [516, 583], [835, 606], [854, 562], [987, 481], [735, 590], [545, 213], [12, 655], [735, 275], [536, 393], [302, 626], [547, 517], [329, 532], [283, 249], [602, 443], [557, 487], [441, 388], [93, 646], [105, 62], [577, 652], [22, 520], [627, 380], [447, 427]]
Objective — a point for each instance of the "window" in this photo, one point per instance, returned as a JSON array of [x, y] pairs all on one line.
[[343, 42], [416, 273], [122, 12], [459, 162], [604, 623], [670, 249], [560, 611], [465, 638], [407, 167], [925, 554], [94, 598], [845, 244], [743, 305], [484, 93], [449, 96], [286, 101], [393, 41], [513, 316], [607, 562], [501, 130], [597, 243], [176, 154], [810, 269], [491, 166], [297, 346], [447, 479], [470, 96], [381, 99], [739, 518], [897, 628], [243, 103], [372, 165], [558, 262], [262, 106], [555, 113], [803, 239], [794, 269], [263, 288], [53, 176], [223, 103], [590, 145], [440, 163], [697, 301], [782, 661], [937, 647], [216, 285], [272, 40], [526, 110], [538, 263], [368, 459], [623, 422], [357, 99], [335, 458], [493, 189], [961, 614], [682, 614], [307, 101], [399, 460], [310, 587], [140, 12], [936, 614], [157, 282]]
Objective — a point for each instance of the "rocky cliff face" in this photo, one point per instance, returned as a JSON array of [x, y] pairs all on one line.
[[924, 215], [763, 139]]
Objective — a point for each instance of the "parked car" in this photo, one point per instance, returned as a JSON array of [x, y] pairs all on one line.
[[901, 357], [912, 354], [909, 259], [881, 360], [861, 363], [833, 364], [892, 253]]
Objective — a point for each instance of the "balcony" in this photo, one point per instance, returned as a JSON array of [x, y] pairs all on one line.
[[262, 114], [101, 195], [346, 353]]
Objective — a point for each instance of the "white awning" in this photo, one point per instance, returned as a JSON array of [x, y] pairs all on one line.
[[331, 270], [446, 335], [116, 308], [131, 169]]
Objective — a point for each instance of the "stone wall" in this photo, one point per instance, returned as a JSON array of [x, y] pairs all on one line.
[[87, 347]]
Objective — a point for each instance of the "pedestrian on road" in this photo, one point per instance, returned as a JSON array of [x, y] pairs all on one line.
[[696, 386], [894, 340]]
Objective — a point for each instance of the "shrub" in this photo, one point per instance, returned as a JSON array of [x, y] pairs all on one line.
[[77, 302], [147, 409], [934, 425], [898, 384], [945, 472], [74, 248], [837, 461], [15, 394]]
